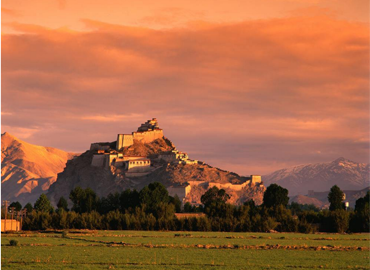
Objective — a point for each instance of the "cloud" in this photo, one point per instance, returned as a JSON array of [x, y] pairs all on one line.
[[112, 118], [10, 12], [263, 93]]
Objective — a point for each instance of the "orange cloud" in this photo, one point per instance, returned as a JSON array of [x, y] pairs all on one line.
[[258, 91]]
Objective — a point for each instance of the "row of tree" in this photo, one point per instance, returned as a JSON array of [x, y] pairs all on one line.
[[153, 209]]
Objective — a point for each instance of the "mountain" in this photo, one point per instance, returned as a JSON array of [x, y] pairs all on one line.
[[301, 199], [320, 199], [115, 166], [346, 174], [28, 170]]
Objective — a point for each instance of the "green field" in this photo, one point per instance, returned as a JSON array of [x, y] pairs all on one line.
[[184, 250]]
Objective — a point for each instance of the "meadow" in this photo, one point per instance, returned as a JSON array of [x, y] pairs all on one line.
[[84, 249]]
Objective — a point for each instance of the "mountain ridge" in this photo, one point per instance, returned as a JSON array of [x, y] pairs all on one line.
[[347, 174], [28, 170]]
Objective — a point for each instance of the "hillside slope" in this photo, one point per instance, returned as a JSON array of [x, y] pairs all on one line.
[[346, 174], [28, 170], [79, 172]]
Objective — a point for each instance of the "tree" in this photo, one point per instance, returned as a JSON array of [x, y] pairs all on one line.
[[214, 195], [16, 205], [84, 200], [129, 199], [62, 204], [360, 221], [214, 201], [28, 207], [176, 202], [275, 195], [43, 204], [153, 194], [335, 198]]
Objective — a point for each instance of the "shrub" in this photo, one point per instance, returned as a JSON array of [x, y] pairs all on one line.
[[13, 243]]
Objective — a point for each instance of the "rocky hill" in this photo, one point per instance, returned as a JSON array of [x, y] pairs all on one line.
[[146, 156], [28, 170], [346, 174], [302, 199], [105, 180]]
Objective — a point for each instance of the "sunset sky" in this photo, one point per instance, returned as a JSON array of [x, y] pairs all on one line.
[[248, 86]]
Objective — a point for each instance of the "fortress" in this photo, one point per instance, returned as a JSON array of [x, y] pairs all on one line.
[[114, 157], [146, 133], [109, 154]]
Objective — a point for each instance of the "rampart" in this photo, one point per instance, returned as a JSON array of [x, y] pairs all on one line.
[[147, 136], [180, 191], [124, 140], [146, 133]]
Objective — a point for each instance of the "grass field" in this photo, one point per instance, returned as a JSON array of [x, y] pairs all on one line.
[[184, 250]]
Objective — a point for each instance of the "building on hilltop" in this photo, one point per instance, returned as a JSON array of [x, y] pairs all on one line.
[[175, 156], [149, 125], [118, 160], [146, 133]]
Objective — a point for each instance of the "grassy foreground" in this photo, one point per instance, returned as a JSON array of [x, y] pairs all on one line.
[[184, 250]]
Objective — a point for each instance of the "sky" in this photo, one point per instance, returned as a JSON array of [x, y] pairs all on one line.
[[247, 86]]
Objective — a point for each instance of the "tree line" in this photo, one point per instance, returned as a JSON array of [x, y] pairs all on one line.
[[153, 209]]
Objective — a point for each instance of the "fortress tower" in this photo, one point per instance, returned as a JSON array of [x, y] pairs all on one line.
[[146, 133]]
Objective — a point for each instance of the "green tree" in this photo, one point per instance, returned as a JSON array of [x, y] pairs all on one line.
[[28, 207], [129, 199], [16, 205], [153, 194], [335, 198], [43, 204], [214, 195], [176, 202], [62, 204], [275, 195], [360, 221], [214, 201], [84, 200]]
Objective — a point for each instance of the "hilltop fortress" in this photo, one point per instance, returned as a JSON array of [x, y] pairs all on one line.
[[146, 133], [123, 161], [112, 154]]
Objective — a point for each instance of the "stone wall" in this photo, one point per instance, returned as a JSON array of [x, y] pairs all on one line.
[[180, 191], [231, 186], [148, 136], [138, 165], [124, 140]]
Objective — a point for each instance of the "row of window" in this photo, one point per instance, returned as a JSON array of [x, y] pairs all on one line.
[[140, 162]]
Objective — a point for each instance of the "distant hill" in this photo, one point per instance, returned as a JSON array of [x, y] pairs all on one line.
[[28, 170], [301, 199], [346, 174], [320, 199]]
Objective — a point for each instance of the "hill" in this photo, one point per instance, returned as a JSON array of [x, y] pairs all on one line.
[[320, 177], [106, 168], [28, 170]]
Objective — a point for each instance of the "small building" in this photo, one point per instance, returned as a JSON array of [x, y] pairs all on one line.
[[10, 225], [176, 156], [256, 179], [138, 165]]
